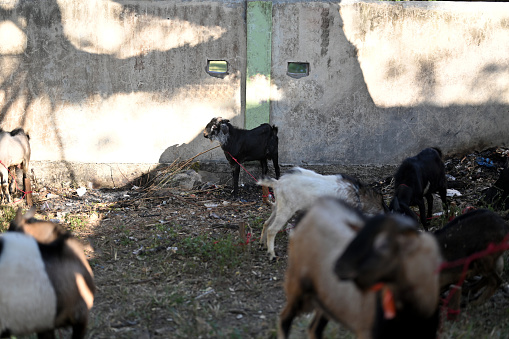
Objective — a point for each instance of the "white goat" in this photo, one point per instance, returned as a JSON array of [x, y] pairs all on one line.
[[43, 286], [299, 188], [406, 261], [14, 151]]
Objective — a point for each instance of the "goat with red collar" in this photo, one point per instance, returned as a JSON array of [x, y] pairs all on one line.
[[240, 145]]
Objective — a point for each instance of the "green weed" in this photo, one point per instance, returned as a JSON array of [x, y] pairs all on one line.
[[7, 213], [76, 223]]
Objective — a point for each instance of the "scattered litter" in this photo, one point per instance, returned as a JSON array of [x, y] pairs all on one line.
[[453, 193], [171, 248], [214, 215], [134, 187], [81, 191], [210, 205], [239, 316], [51, 196], [486, 162], [450, 177], [138, 251], [207, 291]]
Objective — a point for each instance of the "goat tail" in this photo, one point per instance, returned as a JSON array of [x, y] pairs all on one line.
[[269, 182]]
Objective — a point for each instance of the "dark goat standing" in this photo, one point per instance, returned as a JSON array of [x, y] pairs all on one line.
[[467, 234], [498, 194], [417, 177], [260, 143]]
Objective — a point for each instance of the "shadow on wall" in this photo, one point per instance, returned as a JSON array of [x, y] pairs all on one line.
[[319, 124], [51, 71], [330, 127]]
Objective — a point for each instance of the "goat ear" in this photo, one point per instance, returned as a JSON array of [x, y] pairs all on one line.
[[406, 224]]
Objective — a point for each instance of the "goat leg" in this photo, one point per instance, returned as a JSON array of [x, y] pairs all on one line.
[[422, 212], [317, 326], [236, 174], [429, 200]]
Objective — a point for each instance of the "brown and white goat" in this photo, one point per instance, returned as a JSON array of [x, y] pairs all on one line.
[[299, 188], [260, 143], [14, 151], [467, 235], [311, 284], [390, 251], [43, 285], [418, 177]]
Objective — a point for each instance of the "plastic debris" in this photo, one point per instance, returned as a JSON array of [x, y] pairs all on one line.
[[486, 162], [81, 191], [136, 252], [453, 193]]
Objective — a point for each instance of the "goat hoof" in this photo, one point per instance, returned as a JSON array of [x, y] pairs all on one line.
[[274, 258]]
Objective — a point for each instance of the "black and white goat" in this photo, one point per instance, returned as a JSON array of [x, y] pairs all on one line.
[[418, 177], [43, 285], [299, 188], [391, 254], [408, 263], [14, 151], [467, 235], [240, 145]]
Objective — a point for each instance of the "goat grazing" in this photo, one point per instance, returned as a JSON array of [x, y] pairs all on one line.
[[498, 194], [43, 285], [464, 236], [321, 237], [14, 151], [391, 253], [316, 243], [260, 143], [299, 188], [417, 177]]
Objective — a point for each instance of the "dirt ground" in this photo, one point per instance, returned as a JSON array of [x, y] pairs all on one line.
[[170, 263]]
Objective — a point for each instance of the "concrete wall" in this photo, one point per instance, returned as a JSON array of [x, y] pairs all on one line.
[[109, 89], [390, 78]]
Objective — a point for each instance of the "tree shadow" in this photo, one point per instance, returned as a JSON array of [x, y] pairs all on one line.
[[52, 70]]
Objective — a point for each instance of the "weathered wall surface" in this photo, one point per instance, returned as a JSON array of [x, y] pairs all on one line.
[[109, 89], [116, 82], [390, 78]]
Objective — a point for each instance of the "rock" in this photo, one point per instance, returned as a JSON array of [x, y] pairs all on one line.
[[186, 180]]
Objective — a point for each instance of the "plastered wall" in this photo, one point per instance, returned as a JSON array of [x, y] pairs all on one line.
[[109, 89]]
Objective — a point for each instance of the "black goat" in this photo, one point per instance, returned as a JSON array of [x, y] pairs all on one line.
[[498, 194], [464, 236], [240, 145], [417, 177]]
